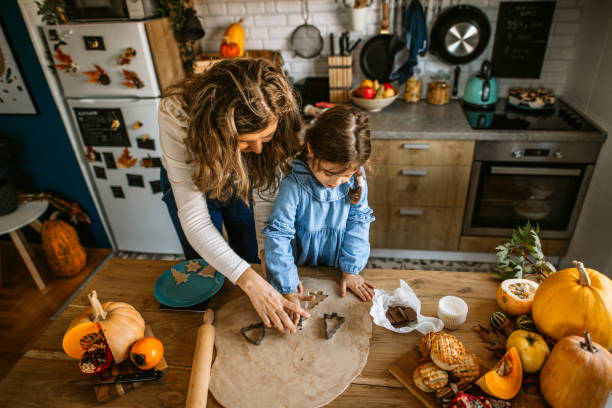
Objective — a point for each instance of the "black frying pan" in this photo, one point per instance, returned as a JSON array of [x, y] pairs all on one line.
[[376, 58]]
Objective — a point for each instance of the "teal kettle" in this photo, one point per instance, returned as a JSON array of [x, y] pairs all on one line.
[[481, 90]]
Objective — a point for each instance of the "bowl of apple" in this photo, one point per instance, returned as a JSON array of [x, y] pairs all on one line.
[[373, 96]]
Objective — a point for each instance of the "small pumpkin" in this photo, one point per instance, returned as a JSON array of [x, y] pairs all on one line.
[[504, 380], [578, 374], [146, 353], [515, 296], [573, 301], [499, 320], [229, 49], [235, 34], [61, 244], [121, 325], [525, 322]]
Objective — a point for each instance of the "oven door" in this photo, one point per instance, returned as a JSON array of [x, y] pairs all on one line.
[[97, 9], [504, 195]]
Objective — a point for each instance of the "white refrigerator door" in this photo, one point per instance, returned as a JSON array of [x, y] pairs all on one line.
[[110, 59], [131, 197]]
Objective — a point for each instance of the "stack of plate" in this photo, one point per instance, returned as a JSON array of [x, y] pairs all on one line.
[[193, 286]]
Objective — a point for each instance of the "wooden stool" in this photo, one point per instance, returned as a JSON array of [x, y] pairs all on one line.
[[26, 214]]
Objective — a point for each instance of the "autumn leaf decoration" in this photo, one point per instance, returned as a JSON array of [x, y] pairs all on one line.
[[67, 64], [126, 160], [132, 80], [496, 340], [98, 76]]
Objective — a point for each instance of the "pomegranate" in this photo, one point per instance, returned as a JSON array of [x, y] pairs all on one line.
[[96, 359]]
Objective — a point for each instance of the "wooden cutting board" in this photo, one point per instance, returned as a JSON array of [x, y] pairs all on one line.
[[107, 392]]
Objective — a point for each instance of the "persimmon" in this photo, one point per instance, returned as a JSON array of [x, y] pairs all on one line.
[[147, 352]]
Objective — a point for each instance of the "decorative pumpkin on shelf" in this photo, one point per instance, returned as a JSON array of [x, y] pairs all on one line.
[[62, 247], [573, 301], [505, 379], [146, 353], [229, 49], [119, 323], [234, 34], [578, 374]]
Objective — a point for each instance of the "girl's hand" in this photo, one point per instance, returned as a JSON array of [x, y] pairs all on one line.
[[296, 297], [359, 286], [271, 307]]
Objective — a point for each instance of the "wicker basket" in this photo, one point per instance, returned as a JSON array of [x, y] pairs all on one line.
[[203, 61]]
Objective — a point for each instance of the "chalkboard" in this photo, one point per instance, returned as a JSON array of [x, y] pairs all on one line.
[[102, 127], [521, 37]]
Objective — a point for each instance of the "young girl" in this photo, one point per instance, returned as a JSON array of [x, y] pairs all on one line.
[[321, 214]]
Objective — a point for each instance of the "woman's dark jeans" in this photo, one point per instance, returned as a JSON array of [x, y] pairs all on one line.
[[233, 213]]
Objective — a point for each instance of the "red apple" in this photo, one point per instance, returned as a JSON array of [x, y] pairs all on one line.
[[387, 85], [368, 92], [357, 93]]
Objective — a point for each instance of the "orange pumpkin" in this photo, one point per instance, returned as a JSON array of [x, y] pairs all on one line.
[[515, 296], [119, 323], [235, 34], [505, 379], [573, 301], [229, 49], [578, 374], [62, 247], [146, 353]]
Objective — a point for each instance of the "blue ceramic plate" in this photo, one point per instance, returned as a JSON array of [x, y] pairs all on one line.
[[194, 287]]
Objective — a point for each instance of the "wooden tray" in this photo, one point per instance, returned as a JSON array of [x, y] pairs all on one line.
[[107, 392]]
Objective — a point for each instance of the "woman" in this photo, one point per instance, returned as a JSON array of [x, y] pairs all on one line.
[[226, 135]]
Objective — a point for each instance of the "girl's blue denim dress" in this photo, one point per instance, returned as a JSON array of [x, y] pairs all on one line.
[[312, 224]]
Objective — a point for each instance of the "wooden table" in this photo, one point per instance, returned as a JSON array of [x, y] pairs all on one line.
[[41, 377]]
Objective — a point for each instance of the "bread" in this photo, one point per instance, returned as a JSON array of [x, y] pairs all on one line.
[[429, 378], [425, 343], [468, 370], [447, 352]]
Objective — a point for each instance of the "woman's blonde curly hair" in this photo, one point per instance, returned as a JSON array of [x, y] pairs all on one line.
[[231, 98]]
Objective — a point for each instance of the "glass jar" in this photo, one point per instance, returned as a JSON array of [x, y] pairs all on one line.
[[412, 92], [439, 89]]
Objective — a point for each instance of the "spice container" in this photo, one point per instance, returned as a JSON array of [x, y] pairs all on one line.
[[412, 92], [439, 89]]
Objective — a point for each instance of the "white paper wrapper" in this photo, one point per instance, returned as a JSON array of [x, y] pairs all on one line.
[[402, 296]]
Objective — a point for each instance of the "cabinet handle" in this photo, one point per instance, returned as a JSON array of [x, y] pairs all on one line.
[[416, 146], [416, 213], [414, 172]]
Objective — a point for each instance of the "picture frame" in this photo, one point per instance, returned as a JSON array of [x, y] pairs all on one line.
[[15, 96]]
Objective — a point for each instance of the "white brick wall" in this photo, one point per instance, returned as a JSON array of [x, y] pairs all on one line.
[[269, 24]]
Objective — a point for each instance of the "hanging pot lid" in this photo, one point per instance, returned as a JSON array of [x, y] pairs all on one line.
[[460, 34]]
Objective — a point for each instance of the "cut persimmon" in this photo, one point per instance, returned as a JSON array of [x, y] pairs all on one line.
[[505, 379]]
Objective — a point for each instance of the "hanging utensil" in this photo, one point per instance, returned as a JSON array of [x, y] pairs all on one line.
[[306, 39]]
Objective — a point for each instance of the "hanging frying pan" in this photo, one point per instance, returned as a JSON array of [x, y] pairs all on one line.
[[460, 34], [376, 58]]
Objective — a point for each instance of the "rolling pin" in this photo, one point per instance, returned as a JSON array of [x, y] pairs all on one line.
[[197, 393]]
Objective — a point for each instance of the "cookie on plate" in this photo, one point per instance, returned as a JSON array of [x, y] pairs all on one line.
[[429, 378], [468, 370], [425, 343], [447, 352]]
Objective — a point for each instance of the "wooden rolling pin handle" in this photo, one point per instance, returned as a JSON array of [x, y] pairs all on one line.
[[197, 393]]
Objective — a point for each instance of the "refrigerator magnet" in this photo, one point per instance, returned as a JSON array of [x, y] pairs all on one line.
[[117, 191], [66, 62], [100, 172], [150, 162], [126, 160], [145, 142], [135, 180], [126, 56], [155, 186], [132, 80], [109, 160], [137, 125], [98, 76], [92, 155]]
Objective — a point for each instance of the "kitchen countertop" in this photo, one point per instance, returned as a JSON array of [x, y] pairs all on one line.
[[422, 120], [41, 376]]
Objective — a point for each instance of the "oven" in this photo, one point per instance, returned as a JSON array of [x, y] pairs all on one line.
[[91, 10], [543, 182]]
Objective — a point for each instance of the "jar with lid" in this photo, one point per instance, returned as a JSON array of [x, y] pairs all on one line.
[[439, 89], [412, 92]]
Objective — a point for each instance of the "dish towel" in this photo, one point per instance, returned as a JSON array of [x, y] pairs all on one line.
[[414, 35]]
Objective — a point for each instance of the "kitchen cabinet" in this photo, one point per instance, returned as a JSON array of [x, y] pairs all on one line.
[[417, 189]]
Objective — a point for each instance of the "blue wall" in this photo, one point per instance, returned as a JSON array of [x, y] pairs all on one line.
[[46, 160]]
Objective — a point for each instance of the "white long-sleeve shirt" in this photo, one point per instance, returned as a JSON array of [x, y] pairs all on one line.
[[191, 203]]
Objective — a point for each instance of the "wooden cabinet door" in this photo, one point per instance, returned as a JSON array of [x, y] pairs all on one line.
[[423, 152]]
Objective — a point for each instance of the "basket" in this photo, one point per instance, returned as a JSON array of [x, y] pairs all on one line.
[[204, 61]]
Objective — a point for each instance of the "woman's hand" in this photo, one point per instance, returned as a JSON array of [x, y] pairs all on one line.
[[359, 286], [296, 297], [270, 305]]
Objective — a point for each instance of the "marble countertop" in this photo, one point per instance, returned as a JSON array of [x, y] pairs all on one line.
[[402, 120]]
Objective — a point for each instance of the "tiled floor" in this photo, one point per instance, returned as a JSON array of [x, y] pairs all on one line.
[[378, 263]]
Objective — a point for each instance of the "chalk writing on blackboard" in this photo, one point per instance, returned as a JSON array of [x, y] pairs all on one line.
[[520, 38]]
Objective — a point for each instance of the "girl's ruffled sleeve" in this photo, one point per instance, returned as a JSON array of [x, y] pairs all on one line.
[[355, 249], [279, 232]]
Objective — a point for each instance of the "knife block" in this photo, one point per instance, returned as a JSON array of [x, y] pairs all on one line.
[[340, 78]]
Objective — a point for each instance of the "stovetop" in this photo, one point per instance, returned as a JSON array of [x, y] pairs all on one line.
[[505, 116]]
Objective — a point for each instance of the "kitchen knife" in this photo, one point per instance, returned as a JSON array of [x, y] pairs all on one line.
[[123, 378]]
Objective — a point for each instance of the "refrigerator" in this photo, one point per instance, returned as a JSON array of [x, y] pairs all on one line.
[[108, 79]]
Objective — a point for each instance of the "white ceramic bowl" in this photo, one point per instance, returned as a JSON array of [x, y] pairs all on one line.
[[452, 311], [373, 105]]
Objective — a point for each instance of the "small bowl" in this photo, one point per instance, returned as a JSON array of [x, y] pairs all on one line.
[[373, 105], [452, 310]]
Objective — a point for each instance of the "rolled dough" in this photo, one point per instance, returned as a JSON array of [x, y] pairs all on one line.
[[300, 370]]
